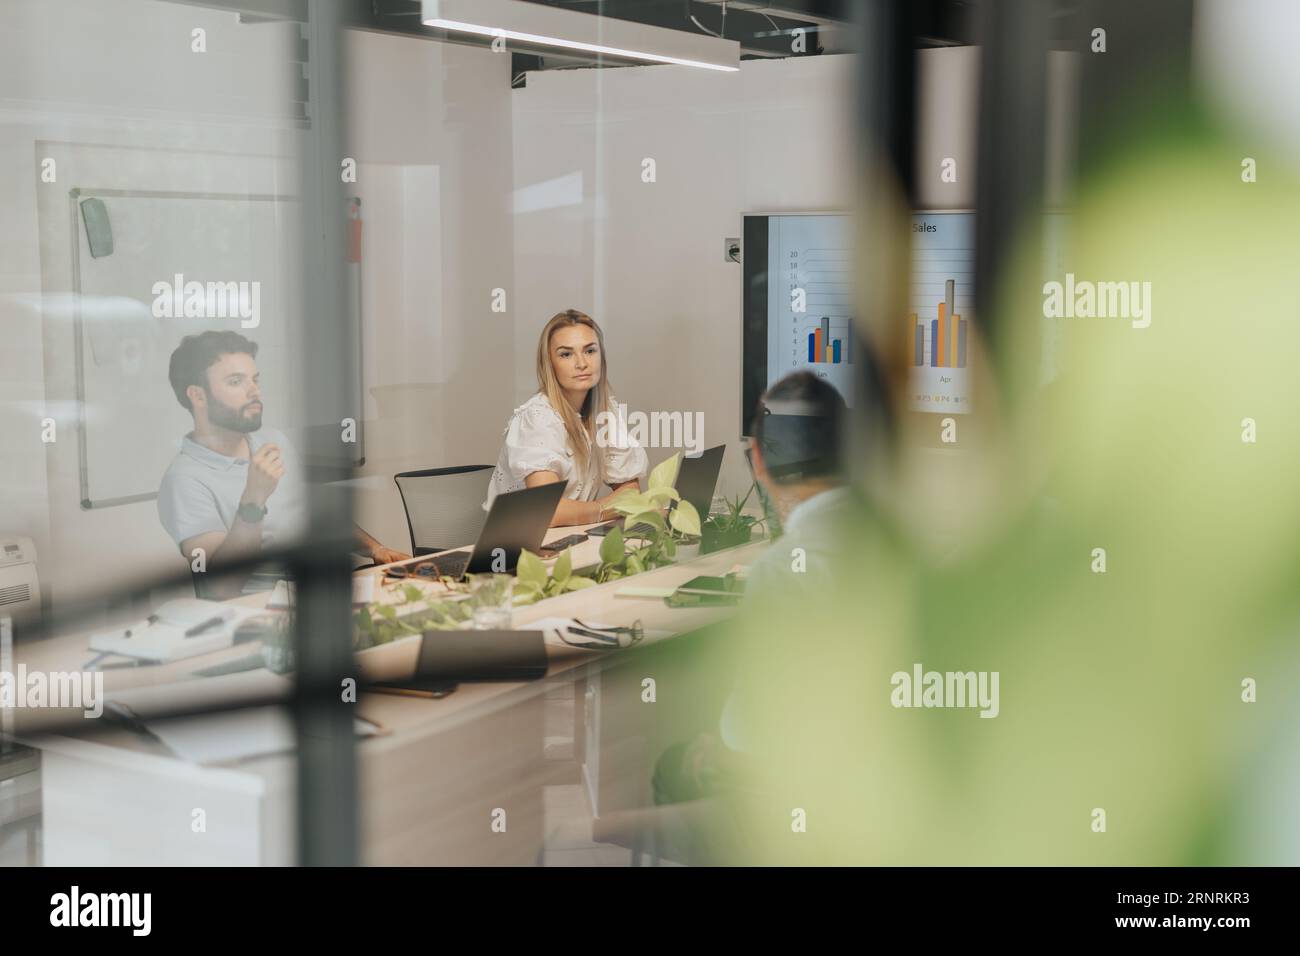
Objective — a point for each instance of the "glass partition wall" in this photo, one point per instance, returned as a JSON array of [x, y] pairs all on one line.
[[917, 309], [182, 411]]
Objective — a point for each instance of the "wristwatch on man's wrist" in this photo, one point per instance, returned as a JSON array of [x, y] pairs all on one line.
[[250, 512]]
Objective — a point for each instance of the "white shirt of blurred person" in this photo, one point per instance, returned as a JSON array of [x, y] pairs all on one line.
[[796, 455], [559, 435], [234, 488]]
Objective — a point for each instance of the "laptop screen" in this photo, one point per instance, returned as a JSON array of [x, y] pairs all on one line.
[[698, 477]]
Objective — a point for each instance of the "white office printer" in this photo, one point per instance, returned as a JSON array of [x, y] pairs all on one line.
[[20, 589]]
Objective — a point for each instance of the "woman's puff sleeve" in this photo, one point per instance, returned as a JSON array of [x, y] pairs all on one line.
[[536, 441]]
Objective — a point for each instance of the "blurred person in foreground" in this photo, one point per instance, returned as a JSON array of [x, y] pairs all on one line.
[[1143, 632], [797, 458]]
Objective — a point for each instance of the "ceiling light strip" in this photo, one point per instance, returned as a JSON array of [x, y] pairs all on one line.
[[538, 40]]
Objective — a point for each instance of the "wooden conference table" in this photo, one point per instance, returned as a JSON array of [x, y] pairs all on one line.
[[430, 784]]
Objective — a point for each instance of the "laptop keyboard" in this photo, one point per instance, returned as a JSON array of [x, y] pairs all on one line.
[[638, 528], [452, 565]]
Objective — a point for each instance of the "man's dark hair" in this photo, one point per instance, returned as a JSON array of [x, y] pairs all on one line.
[[198, 353], [798, 425]]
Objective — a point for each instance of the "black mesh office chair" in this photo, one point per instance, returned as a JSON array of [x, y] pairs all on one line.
[[444, 506]]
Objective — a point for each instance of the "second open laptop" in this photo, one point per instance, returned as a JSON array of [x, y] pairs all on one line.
[[517, 521], [696, 479]]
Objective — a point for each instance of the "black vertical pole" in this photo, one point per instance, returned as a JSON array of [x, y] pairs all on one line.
[[327, 774], [886, 192], [1013, 36], [886, 98]]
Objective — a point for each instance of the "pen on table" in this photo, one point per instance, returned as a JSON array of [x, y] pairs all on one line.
[[205, 626]]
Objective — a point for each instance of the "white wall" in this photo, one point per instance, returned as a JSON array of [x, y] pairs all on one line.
[[646, 259], [947, 102], [430, 127]]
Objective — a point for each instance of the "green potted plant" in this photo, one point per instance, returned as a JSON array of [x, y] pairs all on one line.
[[729, 528], [277, 643], [663, 541], [533, 583], [648, 550], [382, 622]]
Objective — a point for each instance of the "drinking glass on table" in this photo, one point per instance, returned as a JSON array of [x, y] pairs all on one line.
[[491, 596]]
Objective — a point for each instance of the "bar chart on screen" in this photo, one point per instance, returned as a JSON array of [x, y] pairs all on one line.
[[939, 329], [828, 343], [810, 298]]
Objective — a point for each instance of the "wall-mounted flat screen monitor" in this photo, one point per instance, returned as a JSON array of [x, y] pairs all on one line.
[[798, 302]]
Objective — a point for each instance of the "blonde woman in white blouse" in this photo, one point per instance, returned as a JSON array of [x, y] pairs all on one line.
[[553, 436]]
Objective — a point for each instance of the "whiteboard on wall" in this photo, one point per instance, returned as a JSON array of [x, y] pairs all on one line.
[[130, 420]]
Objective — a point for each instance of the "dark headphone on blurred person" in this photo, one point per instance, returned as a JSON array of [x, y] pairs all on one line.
[[798, 429]]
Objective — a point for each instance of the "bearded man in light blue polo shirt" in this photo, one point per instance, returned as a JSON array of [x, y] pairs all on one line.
[[235, 488]]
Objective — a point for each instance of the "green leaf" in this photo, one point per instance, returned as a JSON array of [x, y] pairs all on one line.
[[660, 497], [685, 518], [411, 592], [531, 570], [634, 565], [611, 549], [388, 611], [578, 582], [563, 568], [665, 473]]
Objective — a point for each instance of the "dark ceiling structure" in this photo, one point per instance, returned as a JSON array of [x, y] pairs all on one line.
[[763, 28]]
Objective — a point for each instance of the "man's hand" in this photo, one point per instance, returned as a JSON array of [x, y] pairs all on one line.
[[384, 555], [265, 469]]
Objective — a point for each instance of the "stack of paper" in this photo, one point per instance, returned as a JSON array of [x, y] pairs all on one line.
[[182, 628]]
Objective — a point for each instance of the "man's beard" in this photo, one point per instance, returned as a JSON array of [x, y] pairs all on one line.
[[234, 419]]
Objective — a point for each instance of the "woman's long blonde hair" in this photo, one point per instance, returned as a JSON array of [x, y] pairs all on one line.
[[580, 428]]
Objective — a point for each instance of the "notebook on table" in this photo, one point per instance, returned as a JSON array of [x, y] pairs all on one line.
[[447, 658]]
